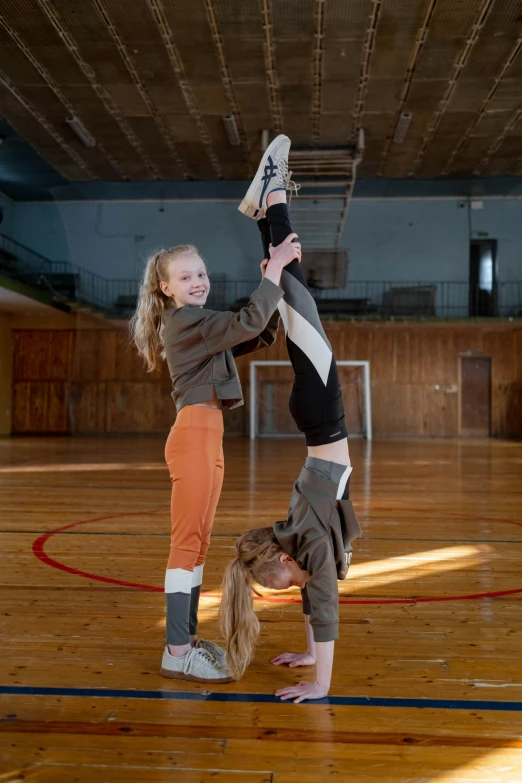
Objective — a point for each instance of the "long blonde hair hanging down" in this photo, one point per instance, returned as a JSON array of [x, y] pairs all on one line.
[[146, 325], [257, 555]]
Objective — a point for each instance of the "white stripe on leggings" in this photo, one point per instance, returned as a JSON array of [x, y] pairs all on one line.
[[342, 483], [307, 338], [178, 580]]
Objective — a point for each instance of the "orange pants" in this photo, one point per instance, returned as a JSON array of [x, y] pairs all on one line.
[[194, 455]]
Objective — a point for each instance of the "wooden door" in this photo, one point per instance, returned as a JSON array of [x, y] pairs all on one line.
[[475, 396]]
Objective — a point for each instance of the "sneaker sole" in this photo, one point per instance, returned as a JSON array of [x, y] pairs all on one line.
[[246, 206], [172, 675]]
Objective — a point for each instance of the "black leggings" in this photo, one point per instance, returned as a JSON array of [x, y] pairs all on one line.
[[316, 402]]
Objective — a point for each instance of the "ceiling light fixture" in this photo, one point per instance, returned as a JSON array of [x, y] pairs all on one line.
[[402, 126], [231, 129], [84, 136]]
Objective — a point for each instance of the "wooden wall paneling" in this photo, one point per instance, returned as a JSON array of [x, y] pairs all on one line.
[[162, 408], [94, 355], [128, 365], [500, 398], [57, 417], [88, 407], [415, 344], [29, 406], [407, 350], [352, 384], [474, 398], [41, 372], [518, 355], [139, 407], [448, 365], [127, 407], [500, 345], [506, 410], [511, 395], [42, 354], [123, 414], [513, 411], [111, 391], [60, 355], [430, 356], [282, 388], [236, 422], [30, 355], [403, 373], [362, 344], [345, 343], [19, 360], [382, 357], [397, 410], [40, 407], [439, 411], [466, 339]]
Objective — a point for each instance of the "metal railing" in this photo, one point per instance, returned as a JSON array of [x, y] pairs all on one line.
[[387, 298], [392, 298], [66, 282]]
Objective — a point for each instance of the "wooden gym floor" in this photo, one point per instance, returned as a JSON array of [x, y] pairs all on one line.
[[427, 683]]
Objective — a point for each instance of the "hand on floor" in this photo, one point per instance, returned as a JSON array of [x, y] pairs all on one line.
[[294, 659], [305, 690]]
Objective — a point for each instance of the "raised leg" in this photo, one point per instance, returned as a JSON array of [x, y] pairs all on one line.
[[316, 400]]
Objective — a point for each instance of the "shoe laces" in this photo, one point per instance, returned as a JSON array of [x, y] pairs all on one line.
[[205, 644], [199, 653], [284, 179]]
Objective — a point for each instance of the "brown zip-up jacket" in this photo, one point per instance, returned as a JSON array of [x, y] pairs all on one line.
[[200, 346], [318, 535]]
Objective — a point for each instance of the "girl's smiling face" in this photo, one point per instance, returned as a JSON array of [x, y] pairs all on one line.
[[188, 282]]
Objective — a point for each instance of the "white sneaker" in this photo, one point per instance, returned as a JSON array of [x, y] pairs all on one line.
[[197, 665], [272, 173], [217, 652]]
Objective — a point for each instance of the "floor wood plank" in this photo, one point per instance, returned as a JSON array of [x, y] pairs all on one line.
[[441, 519]]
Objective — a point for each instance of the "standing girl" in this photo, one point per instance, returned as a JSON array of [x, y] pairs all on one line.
[[200, 345]]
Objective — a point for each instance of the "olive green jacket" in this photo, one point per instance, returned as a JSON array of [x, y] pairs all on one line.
[[318, 535], [200, 346]]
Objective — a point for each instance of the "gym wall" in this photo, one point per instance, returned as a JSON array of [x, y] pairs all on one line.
[[388, 239], [87, 381]]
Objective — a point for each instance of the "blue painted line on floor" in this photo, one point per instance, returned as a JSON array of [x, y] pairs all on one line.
[[264, 698]]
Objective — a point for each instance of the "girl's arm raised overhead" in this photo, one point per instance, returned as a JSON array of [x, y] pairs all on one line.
[[267, 336], [222, 331]]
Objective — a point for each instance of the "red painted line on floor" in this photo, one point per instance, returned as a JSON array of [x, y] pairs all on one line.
[[40, 553], [38, 548]]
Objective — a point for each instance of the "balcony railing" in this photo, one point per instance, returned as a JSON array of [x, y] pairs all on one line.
[[67, 283], [435, 299]]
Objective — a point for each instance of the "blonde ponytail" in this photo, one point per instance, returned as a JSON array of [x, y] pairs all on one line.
[[146, 325], [238, 621], [257, 554]]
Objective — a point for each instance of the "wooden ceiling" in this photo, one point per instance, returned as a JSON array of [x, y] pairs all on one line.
[[151, 80]]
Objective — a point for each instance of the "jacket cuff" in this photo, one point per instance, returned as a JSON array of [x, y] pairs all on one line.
[[325, 632], [270, 291], [307, 608]]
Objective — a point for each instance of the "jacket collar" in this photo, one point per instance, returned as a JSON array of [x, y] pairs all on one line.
[[318, 484]]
